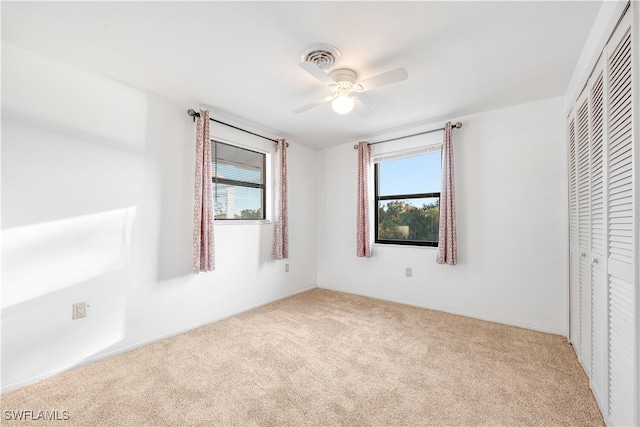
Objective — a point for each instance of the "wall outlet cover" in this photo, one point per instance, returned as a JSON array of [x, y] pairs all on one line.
[[79, 310]]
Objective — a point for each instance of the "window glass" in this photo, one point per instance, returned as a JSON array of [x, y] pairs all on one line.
[[419, 174], [238, 182], [408, 200]]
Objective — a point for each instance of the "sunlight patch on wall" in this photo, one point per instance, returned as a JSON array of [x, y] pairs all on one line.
[[43, 258], [56, 94]]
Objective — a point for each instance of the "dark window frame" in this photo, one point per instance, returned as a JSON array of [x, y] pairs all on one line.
[[378, 198], [263, 186]]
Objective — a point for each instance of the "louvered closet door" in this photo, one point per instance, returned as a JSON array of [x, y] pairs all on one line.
[[584, 230], [598, 261], [574, 251], [620, 242]]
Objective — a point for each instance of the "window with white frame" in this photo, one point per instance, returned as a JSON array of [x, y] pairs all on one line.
[[239, 182], [407, 198]]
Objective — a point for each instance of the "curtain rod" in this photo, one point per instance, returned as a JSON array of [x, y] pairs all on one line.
[[457, 125], [193, 113]]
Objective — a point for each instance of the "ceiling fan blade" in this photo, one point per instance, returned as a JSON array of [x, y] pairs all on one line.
[[316, 72], [393, 76], [315, 104], [361, 108]]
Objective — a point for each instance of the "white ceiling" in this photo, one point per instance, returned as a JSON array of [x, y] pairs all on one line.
[[240, 59]]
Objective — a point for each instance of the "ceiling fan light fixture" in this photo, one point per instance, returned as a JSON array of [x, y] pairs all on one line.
[[343, 104]]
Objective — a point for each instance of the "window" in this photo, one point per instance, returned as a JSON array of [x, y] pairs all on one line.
[[407, 198], [238, 176]]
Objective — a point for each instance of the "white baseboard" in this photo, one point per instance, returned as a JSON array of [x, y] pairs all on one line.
[[446, 310], [114, 352]]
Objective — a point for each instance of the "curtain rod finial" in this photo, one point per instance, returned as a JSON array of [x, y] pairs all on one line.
[[458, 125], [193, 113]]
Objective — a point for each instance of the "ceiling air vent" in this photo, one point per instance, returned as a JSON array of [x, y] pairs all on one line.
[[323, 55]]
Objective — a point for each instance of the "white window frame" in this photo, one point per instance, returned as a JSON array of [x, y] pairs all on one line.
[[268, 188], [406, 147]]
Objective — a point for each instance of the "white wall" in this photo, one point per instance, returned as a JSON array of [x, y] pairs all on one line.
[[605, 22], [97, 206], [511, 215]]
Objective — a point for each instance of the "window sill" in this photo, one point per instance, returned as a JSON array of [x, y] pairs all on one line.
[[241, 221], [391, 245]]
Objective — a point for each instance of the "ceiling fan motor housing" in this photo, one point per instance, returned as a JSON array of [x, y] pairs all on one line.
[[344, 75]]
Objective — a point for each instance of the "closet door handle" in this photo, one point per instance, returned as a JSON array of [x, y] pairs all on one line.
[[594, 260], [583, 254]]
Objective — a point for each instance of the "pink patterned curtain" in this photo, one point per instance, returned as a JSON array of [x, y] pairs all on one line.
[[362, 234], [203, 249], [281, 226], [447, 253]]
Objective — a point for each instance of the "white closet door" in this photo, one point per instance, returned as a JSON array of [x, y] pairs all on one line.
[[574, 251], [598, 260], [584, 230], [620, 242]]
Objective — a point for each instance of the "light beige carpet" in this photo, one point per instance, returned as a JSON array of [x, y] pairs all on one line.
[[327, 358]]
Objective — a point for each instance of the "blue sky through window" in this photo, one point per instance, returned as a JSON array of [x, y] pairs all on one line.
[[417, 174]]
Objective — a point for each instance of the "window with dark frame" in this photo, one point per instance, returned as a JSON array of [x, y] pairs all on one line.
[[238, 176], [407, 200]]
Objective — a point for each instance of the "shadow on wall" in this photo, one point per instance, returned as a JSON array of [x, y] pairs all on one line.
[[170, 174], [72, 157], [266, 243], [39, 337], [48, 267]]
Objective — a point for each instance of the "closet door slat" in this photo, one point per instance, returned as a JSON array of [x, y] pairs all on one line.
[[599, 340], [584, 230], [620, 236], [574, 252]]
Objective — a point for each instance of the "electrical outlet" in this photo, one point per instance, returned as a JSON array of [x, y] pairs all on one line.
[[286, 268], [408, 272], [79, 310]]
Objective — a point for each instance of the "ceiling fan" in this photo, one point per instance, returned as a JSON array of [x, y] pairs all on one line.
[[343, 82]]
